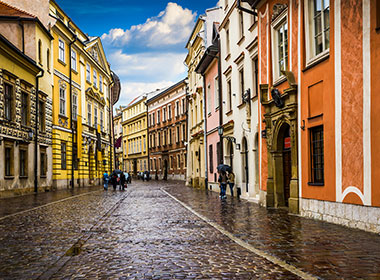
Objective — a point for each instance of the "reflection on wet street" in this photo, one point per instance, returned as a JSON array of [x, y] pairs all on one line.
[[144, 233]]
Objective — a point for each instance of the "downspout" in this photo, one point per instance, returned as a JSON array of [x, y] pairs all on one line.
[[220, 102], [111, 123], [246, 10], [40, 75], [147, 132], [71, 114], [22, 35], [205, 130]]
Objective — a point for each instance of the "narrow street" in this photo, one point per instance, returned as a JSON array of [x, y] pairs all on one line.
[[168, 231]]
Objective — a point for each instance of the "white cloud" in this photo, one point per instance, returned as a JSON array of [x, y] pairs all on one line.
[[172, 26], [131, 90], [149, 66]]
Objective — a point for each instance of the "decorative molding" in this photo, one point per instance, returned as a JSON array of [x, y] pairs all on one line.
[[277, 10]]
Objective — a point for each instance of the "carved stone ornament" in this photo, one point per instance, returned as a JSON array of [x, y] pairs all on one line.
[[277, 10], [276, 95]]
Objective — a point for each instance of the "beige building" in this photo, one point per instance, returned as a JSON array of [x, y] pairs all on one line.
[[135, 136], [118, 136]]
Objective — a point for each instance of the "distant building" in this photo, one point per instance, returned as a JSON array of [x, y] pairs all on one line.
[[118, 136], [135, 136], [167, 121]]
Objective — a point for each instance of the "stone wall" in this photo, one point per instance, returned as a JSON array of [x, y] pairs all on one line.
[[350, 215]]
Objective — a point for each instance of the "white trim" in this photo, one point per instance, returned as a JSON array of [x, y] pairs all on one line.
[[66, 79], [61, 128], [352, 189], [338, 101], [367, 103], [299, 106], [281, 20]]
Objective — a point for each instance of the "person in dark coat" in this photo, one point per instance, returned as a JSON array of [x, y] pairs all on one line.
[[122, 181], [114, 180]]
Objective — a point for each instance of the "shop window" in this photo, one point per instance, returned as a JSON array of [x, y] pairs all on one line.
[[43, 162], [8, 158], [23, 161], [317, 155]]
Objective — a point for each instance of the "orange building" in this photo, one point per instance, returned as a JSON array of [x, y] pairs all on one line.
[[318, 61]]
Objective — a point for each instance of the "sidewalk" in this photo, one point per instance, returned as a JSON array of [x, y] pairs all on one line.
[[322, 249], [11, 205]]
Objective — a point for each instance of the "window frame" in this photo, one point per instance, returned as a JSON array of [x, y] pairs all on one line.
[[23, 162], [216, 92], [25, 108], [9, 164], [8, 101], [88, 72], [313, 165], [42, 115], [278, 23], [75, 107], [95, 78], [63, 155], [74, 60], [311, 56], [61, 50], [62, 101]]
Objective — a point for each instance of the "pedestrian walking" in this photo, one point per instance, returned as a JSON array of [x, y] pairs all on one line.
[[105, 180], [114, 180], [231, 182], [223, 183], [122, 181]]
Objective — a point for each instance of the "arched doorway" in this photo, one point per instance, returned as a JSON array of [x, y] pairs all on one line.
[[245, 163]]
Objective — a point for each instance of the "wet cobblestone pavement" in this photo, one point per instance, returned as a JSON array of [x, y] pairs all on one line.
[[144, 233]]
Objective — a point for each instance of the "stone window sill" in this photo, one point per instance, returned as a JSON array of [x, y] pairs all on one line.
[[316, 184], [11, 177]]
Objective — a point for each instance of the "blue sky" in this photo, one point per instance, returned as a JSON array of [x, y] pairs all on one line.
[[144, 40]]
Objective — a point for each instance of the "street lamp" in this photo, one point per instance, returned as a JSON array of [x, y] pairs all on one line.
[[30, 134], [220, 130]]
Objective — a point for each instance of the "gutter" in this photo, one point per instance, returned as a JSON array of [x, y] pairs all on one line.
[[40, 75], [247, 10], [111, 124]]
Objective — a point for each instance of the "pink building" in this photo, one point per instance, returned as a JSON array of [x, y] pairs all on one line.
[[208, 67]]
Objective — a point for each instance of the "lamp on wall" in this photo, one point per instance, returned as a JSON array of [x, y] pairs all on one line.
[[30, 134]]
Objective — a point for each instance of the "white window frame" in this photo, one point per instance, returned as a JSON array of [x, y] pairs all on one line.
[[73, 60], [311, 56], [89, 114], [276, 24], [88, 72], [102, 123], [95, 116], [62, 101], [100, 83], [216, 92], [61, 50], [95, 79], [75, 106]]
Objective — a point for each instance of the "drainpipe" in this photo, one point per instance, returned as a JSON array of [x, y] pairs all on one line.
[[147, 132], [246, 10], [220, 102], [205, 130], [40, 75], [71, 113], [111, 123]]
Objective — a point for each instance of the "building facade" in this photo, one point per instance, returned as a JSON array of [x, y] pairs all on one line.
[[135, 136], [26, 103], [239, 67], [118, 136], [199, 40], [167, 120], [82, 146]]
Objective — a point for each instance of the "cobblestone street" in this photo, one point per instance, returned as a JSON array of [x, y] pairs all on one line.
[[168, 231]]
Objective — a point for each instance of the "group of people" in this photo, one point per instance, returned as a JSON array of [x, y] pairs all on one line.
[[115, 180], [224, 179]]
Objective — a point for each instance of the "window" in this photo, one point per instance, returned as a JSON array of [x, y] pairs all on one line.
[[377, 15], [170, 136], [144, 144], [101, 122], [40, 52], [169, 112], [216, 92], [73, 60], [75, 107], [183, 132], [75, 156], [177, 138], [229, 96], [241, 24], [42, 115], [183, 106], [100, 83], [280, 47], [241, 84], [218, 153], [159, 139], [8, 159], [88, 72], [178, 162], [61, 47], [63, 155], [255, 72], [317, 155], [48, 59], [24, 108], [95, 117], [62, 101], [95, 80], [228, 41], [164, 114], [177, 108], [8, 106], [318, 17], [164, 141], [158, 116], [43, 162], [23, 162], [210, 154], [89, 114], [208, 93]]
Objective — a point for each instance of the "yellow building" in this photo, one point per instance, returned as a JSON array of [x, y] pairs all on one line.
[[195, 149], [26, 96], [135, 135], [81, 105]]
